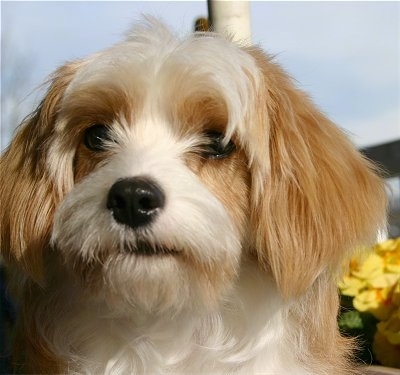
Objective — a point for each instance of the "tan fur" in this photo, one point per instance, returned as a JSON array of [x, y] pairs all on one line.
[[321, 199], [28, 199]]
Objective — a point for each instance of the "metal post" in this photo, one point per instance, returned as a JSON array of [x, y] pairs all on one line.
[[231, 17]]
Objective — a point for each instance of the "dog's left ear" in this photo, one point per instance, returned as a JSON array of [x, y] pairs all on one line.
[[28, 194], [319, 197]]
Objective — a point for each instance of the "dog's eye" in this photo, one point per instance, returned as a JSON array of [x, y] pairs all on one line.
[[96, 136], [215, 147]]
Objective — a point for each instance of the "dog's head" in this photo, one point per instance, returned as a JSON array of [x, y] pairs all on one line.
[[155, 166]]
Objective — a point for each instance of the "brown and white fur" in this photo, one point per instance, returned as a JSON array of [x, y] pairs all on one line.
[[234, 271]]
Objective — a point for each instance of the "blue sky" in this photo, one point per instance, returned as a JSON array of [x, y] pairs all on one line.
[[345, 54]]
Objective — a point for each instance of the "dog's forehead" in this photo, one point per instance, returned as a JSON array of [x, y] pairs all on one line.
[[169, 66], [155, 71]]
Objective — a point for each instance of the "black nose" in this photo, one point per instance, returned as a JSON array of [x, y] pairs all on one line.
[[135, 201]]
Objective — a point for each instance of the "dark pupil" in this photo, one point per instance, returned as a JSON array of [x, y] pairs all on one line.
[[216, 149], [95, 136], [216, 144]]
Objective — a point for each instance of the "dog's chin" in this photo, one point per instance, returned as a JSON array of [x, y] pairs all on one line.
[[154, 278]]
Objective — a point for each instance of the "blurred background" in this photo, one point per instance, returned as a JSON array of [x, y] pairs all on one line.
[[345, 54]]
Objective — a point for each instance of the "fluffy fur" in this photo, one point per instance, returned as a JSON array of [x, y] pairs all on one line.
[[251, 243]]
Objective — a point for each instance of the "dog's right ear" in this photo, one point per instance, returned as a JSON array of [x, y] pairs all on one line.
[[28, 194]]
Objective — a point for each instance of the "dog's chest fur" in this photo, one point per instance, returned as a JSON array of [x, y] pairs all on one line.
[[248, 334]]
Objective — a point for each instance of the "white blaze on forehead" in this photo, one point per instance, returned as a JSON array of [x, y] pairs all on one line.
[[150, 143]]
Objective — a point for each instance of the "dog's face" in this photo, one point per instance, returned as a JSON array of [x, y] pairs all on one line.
[[155, 166], [157, 213]]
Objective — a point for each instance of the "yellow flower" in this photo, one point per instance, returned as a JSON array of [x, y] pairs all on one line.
[[388, 245], [351, 286], [386, 280], [375, 301], [372, 267], [373, 281]]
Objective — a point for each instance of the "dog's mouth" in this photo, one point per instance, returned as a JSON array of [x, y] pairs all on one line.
[[145, 248]]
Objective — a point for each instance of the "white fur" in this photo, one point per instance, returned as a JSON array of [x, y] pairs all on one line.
[[250, 333]]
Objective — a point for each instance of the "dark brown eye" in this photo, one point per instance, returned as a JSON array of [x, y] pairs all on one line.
[[96, 136], [215, 148]]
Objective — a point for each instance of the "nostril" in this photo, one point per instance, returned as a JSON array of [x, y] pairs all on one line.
[[119, 202], [135, 201], [150, 198], [147, 203]]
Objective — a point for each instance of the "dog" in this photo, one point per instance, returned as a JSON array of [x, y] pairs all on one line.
[[177, 206]]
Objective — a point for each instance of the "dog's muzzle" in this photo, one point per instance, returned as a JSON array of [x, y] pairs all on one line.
[[136, 201]]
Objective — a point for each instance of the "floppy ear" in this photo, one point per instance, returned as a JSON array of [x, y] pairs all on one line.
[[321, 198], [27, 193]]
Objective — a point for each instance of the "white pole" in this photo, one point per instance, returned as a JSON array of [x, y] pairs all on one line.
[[231, 17]]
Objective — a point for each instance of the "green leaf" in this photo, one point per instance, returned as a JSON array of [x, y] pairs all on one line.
[[351, 320]]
